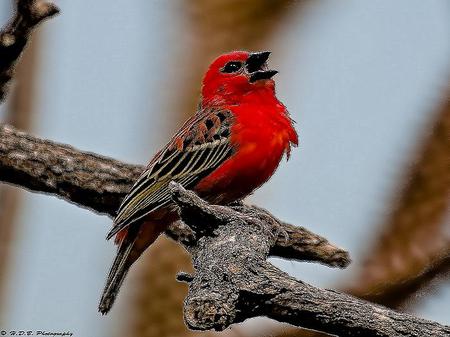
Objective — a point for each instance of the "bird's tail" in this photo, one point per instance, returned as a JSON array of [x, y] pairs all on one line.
[[126, 255], [132, 242]]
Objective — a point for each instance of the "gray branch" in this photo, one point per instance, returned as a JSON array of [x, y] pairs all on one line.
[[233, 281], [15, 35]]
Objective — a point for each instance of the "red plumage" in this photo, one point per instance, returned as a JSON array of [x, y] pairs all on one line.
[[230, 147]]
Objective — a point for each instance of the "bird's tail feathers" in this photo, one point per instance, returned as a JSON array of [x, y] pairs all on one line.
[[118, 271]]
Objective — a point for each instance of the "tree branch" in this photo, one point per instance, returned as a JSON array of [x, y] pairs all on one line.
[[99, 184], [15, 35], [233, 282], [229, 245]]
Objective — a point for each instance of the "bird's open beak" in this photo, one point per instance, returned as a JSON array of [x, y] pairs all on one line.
[[257, 67]]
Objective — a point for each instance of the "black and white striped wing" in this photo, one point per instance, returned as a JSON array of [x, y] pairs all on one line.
[[199, 148]]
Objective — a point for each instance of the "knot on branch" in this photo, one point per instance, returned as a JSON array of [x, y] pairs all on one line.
[[34, 11], [202, 312]]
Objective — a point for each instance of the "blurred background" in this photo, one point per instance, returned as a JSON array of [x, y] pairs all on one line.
[[367, 83]]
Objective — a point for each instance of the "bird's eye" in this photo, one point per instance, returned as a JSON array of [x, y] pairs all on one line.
[[231, 67]]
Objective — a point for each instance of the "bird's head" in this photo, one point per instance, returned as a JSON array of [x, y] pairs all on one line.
[[235, 74]]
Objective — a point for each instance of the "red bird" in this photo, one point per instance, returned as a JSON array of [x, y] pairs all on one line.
[[230, 147]]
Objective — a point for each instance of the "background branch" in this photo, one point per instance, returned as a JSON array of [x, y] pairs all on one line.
[[413, 247], [15, 35], [20, 112]]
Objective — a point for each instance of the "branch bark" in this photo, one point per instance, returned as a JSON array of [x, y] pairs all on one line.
[[233, 281], [15, 35], [229, 245]]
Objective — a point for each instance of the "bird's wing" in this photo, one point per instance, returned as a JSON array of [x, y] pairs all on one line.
[[201, 145]]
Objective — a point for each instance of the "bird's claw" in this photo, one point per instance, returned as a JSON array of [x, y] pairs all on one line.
[[277, 230]]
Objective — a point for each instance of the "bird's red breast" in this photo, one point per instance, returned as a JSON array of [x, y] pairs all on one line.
[[262, 132]]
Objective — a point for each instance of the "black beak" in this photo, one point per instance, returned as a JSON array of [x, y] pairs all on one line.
[[262, 75], [256, 60], [256, 66]]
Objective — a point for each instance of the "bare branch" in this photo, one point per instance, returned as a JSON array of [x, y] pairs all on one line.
[[99, 183], [15, 35], [233, 282]]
